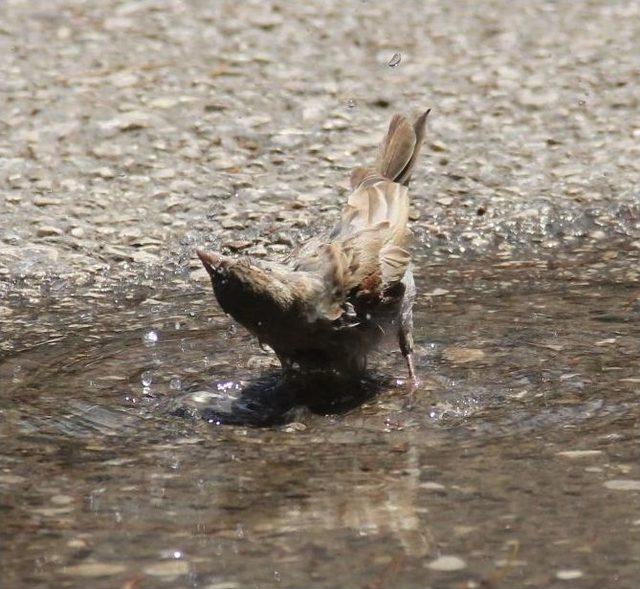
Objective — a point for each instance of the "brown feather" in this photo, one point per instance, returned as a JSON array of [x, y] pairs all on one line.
[[367, 245], [397, 147], [334, 297]]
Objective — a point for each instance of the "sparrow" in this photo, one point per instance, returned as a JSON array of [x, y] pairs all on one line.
[[338, 296]]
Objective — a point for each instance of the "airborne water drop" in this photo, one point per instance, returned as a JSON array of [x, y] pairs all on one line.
[[395, 60]]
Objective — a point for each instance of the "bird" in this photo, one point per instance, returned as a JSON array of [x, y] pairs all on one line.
[[337, 297]]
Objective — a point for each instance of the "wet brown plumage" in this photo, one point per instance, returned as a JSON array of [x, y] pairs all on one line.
[[336, 297]]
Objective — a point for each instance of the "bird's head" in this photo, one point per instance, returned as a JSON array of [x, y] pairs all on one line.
[[262, 299]]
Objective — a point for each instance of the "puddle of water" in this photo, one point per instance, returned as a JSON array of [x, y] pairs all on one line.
[[114, 471]]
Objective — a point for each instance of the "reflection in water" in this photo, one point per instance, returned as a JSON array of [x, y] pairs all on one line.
[[271, 400], [137, 460]]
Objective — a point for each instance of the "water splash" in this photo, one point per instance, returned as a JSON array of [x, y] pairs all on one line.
[[150, 338], [395, 60]]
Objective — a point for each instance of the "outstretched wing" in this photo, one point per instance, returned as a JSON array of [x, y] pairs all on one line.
[[364, 256], [367, 206]]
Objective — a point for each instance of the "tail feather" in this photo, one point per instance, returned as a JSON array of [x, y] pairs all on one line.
[[396, 149], [397, 154], [404, 177]]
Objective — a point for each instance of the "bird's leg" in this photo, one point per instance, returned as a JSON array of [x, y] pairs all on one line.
[[412, 373], [405, 338]]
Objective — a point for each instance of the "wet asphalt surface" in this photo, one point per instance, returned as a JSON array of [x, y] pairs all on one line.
[[147, 442]]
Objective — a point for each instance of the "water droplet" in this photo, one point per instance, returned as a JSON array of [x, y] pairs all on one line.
[[582, 102], [175, 384], [150, 338], [351, 103], [177, 554], [146, 378], [395, 60]]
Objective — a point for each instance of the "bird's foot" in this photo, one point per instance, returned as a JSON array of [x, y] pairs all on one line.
[[413, 378], [412, 384], [411, 397]]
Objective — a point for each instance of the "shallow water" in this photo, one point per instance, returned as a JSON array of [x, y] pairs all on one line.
[[146, 442]]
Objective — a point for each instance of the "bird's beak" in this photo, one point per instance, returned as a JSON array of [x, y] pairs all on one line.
[[209, 260]]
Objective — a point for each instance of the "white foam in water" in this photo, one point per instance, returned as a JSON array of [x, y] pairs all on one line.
[[150, 338]]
